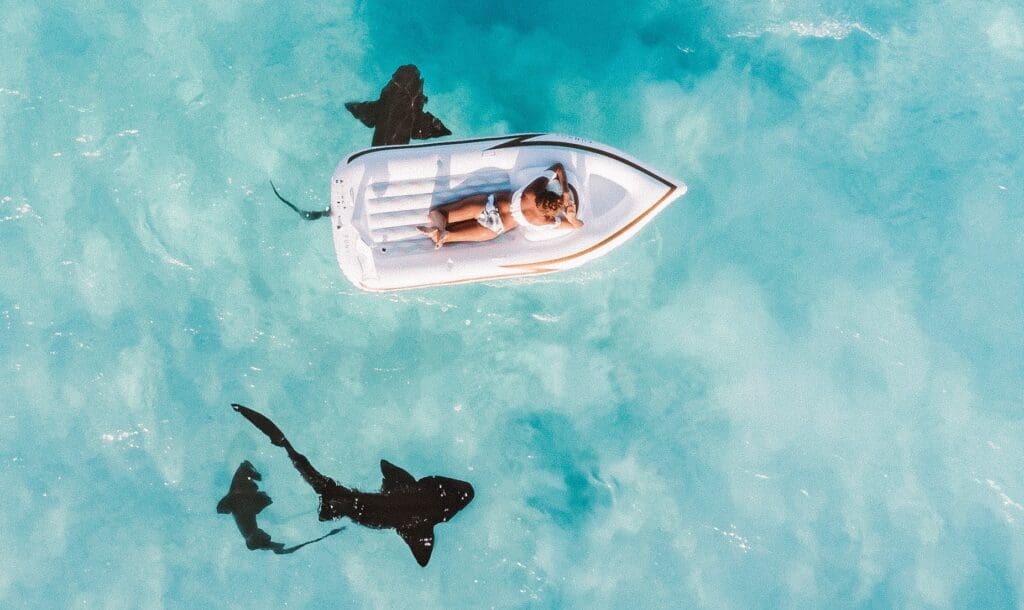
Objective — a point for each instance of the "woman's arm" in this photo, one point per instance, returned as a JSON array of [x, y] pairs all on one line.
[[569, 208], [570, 213], [559, 172]]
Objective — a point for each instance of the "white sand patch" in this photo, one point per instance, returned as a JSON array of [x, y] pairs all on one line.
[[678, 126], [1012, 510], [1006, 33], [98, 276], [828, 28], [9, 210]]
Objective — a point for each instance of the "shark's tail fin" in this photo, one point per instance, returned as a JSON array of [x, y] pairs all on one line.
[[264, 424], [307, 215], [320, 483]]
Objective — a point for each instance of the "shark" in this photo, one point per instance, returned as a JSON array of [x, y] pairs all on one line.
[[410, 506], [397, 116], [244, 501]]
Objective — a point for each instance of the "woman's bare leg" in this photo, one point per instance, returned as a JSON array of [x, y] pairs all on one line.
[[466, 208], [442, 216], [437, 227], [466, 230]]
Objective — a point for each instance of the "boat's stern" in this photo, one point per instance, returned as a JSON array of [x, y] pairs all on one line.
[[354, 255]]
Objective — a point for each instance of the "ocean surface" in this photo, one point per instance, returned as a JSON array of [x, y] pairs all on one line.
[[802, 385]]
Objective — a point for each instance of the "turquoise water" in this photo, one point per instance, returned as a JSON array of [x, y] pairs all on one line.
[[801, 385]]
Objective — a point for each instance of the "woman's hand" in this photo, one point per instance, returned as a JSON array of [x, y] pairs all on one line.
[[570, 216]]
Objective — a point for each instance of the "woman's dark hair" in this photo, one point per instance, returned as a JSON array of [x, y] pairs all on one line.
[[548, 203]]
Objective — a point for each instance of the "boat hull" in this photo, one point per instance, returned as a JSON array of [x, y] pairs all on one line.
[[380, 195]]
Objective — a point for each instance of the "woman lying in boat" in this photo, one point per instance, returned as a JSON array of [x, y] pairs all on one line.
[[485, 216]]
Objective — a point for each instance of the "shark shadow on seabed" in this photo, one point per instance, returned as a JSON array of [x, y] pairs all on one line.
[[409, 506], [244, 501]]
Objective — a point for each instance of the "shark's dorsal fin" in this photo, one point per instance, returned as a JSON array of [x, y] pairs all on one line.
[[420, 540], [364, 111], [428, 126], [394, 477]]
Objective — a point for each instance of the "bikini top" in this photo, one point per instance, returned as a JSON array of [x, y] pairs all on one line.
[[516, 210]]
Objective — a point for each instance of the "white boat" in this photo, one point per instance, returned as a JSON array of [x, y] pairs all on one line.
[[380, 195]]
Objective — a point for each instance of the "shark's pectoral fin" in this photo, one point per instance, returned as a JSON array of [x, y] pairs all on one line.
[[428, 126], [420, 540], [247, 503], [261, 501], [364, 111], [394, 477]]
